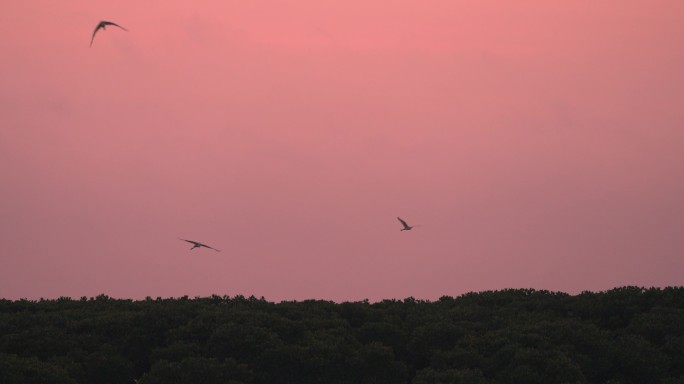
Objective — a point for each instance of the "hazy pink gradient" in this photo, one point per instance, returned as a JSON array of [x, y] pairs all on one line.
[[538, 143]]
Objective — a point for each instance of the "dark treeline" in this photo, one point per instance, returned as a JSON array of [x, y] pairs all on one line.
[[624, 335]]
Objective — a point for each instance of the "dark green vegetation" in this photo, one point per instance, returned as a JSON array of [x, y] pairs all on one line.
[[625, 335]]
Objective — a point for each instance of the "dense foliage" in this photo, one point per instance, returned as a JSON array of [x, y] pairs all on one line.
[[625, 335]]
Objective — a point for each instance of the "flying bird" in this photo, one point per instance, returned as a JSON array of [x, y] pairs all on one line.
[[103, 25], [406, 226], [196, 244]]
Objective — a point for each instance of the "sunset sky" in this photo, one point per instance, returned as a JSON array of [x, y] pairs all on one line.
[[538, 144]]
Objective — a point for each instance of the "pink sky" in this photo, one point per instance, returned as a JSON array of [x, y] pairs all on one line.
[[539, 144]]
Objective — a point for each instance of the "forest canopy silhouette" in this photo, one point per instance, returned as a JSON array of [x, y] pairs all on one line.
[[623, 335]]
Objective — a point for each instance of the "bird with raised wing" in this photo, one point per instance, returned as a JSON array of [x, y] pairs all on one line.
[[196, 244], [406, 226], [103, 25]]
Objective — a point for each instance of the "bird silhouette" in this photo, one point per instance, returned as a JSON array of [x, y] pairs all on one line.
[[196, 244], [406, 226], [103, 25]]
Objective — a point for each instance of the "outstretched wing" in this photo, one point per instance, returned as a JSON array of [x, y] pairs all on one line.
[[206, 246], [402, 222], [192, 242], [97, 28], [114, 24]]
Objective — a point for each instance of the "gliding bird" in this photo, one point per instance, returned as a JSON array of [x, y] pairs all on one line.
[[406, 226], [196, 244], [103, 25]]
